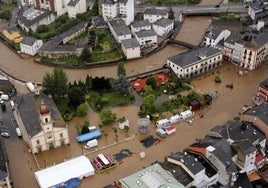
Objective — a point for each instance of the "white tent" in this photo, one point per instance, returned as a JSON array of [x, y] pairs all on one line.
[[79, 167]]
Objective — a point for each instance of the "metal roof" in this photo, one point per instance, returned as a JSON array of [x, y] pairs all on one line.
[[130, 43]]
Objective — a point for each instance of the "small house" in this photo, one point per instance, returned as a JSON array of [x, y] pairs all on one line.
[[194, 104]]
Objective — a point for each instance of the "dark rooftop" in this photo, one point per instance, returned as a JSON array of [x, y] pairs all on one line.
[[28, 41], [214, 33], [163, 22], [264, 83], [119, 27], [191, 57], [145, 33], [73, 3], [130, 43], [141, 23], [260, 111], [29, 105], [156, 11]]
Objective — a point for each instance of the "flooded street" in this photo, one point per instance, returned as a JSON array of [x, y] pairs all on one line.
[[27, 70]]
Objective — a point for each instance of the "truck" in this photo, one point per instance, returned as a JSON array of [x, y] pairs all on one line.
[[186, 114], [12, 104], [162, 123], [91, 143], [18, 132], [89, 136]]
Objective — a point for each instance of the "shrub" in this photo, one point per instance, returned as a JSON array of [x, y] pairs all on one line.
[[217, 79], [82, 110]]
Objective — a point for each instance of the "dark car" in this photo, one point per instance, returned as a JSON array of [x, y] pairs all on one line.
[[217, 6]]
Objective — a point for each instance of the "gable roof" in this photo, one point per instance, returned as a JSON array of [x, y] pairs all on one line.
[[145, 33], [260, 111], [73, 3], [192, 57], [130, 43], [140, 23], [28, 107], [155, 11], [214, 33], [245, 146], [119, 27], [189, 161], [163, 22], [28, 41]]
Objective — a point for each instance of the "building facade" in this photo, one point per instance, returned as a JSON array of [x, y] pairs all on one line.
[[146, 38], [76, 7], [154, 14], [163, 26], [123, 9], [131, 48], [30, 45], [195, 62], [40, 122], [263, 90]]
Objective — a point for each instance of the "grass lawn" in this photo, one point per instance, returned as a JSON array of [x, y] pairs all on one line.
[[97, 57], [9, 7]]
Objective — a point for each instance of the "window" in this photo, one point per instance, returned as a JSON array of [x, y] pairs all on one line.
[[49, 135], [61, 135], [37, 142]]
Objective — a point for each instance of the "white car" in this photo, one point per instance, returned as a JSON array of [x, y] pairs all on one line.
[[5, 134]]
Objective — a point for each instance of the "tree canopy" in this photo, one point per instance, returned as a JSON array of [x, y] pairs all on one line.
[[107, 116], [121, 85], [56, 83]]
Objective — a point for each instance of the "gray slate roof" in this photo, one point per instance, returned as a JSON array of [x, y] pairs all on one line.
[[260, 111], [145, 33], [130, 43], [73, 3], [36, 16], [163, 22], [264, 83], [73, 30], [3, 161], [141, 23], [214, 33], [29, 106], [189, 58], [119, 27], [189, 161], [156, 11], [245, 146], [28, 41], [111, 2]]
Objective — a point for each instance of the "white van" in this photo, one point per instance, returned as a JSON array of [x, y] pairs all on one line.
[[12, 104], [92, 128], [91, 143], [4, 97], [18, 132]]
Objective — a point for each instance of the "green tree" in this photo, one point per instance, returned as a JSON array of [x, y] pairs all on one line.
[[121, 71], [147, 90], [149, 104], [85, 54], [56, 83], [6, 14], [42, 29], [84, 129], [107, 116], [82, 110], [88, 83], [121, 85], [150, 81], [76, 96]]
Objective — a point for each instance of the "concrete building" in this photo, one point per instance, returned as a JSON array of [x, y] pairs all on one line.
[[258, 116], [195, 62], [263, 90], [137, 26], [30, 45], [111, 9], [32, 18], [163, 26], [146, 38], [152, 176], [258, 9], [5, 180], [75, 7], [131, 48], [154, 14], [192, 167], [40, 122], [214, 36], [119, 30]]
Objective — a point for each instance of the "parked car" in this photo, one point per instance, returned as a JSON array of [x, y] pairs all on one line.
[[5, 134]]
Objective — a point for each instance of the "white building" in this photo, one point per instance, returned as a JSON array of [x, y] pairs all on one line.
[[214, 36], [30, 45], [146, 38], [195, 62], [258, 9], [131, 48], [119, 30], [40, 122], [163, 26], [123, 9], [58, 175], [32, 18], [154, 14], [137, 26], [76, 7], [227, 169]]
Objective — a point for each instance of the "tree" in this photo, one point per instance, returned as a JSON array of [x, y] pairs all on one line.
[[121, 85], [107, 116], [150, 81], [149, 104], [84, 129], [85, 55], [42, 29], [76, 96], [121, 71], [147, 90], [56, 83], [88, 83], [82, 110]]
